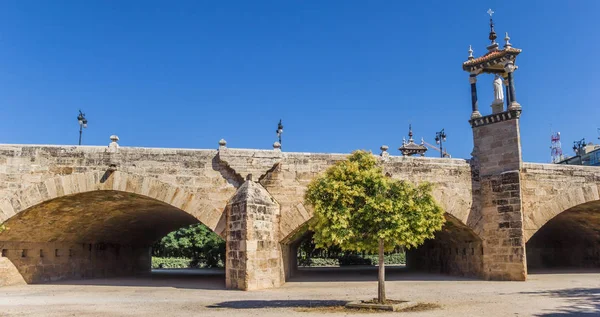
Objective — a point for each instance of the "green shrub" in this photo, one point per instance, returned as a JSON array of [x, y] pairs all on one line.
[[316, 262], [394, 258], [171, 263], [353, 259], [305, 261]]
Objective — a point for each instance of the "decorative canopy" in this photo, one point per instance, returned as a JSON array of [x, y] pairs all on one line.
[[411, 148], [501, 63], [494, 61]]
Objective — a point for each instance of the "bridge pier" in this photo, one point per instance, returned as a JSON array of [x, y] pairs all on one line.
[[254, 256], [497, 176]]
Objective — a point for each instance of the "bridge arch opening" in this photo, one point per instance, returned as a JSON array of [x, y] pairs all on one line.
[[94, 234], [570, 240], [456, 250]]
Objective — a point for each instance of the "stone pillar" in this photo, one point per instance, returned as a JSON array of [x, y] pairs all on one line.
[[507, 94], [497, 152], [510, 68], [474, 106], [254, 258]]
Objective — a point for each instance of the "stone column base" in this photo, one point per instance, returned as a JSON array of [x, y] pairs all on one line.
[[254, 258]]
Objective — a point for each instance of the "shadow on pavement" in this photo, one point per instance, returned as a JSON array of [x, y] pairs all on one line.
[[534, 271], [250, 304], [210, 279], [582, 302], [367, 273], [214, 279]]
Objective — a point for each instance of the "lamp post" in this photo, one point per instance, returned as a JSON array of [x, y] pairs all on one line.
[[82, 123], [578, 148], [440, 138], [279, 131]]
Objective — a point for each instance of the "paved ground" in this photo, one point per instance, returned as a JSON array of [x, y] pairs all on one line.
[[191, 294]]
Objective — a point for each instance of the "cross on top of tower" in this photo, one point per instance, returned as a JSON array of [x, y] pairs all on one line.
[[493, 35], [494, 60]]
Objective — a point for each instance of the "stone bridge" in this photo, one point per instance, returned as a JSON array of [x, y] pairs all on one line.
[[70, 212]]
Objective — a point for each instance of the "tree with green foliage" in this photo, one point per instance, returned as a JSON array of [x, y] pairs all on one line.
[[196, 242], [358, 208]]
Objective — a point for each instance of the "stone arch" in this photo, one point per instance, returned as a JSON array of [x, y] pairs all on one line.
[[456, 250], [569, 239], [201, 207], [540, 211], [457, 205], [93, 224]]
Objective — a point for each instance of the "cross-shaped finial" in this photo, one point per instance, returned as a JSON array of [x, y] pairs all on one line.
[[492, 36]]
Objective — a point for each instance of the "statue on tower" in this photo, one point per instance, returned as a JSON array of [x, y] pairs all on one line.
[[498, 104], [498, 91]]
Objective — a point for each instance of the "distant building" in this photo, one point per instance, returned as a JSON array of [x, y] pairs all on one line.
[[587, 155]]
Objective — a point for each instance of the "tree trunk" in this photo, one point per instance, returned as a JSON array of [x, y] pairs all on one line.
[[381, 288]]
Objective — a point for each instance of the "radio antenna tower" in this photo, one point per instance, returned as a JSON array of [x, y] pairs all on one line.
[[556, 148]]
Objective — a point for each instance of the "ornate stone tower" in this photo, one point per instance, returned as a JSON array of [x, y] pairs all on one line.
[[497, 162]]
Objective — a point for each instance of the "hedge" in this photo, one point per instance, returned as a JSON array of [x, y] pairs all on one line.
[[171, 263]]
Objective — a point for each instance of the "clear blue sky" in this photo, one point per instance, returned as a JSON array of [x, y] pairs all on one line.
[[342, 75]]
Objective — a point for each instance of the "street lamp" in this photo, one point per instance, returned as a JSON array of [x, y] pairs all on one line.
[[279, 131], [440, 138], [82, 123], [578, 147]]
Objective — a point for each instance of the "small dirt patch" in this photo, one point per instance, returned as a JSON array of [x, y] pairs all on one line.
[[342, 309], [422, 307], [387, 302]]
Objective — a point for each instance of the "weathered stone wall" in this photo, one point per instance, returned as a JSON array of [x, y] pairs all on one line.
[[561, 215], [46, 262], [254, 258], [71, 195], [564, 253], [453, 258], [288, 180], [148, 191], [287, 183], [550, 189], [497, 162], [451, 180], [456, 250], [191, 180], [452, 183], [9, 273]]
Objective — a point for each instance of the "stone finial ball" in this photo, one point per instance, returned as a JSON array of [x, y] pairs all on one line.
[[384, 148], [114, 138], [222, 142], [276, 145]]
